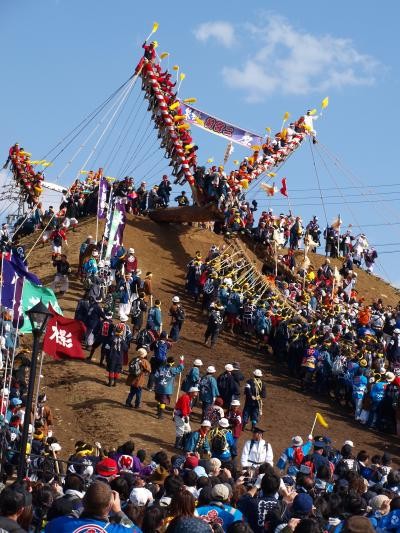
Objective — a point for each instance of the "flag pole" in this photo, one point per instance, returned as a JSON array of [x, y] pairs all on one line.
[[97, 212], [338, 237], [16, 334], [313, 426]]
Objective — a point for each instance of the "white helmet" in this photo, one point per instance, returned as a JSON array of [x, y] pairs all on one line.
[[223, 423], [211, 370], [229, 367], [206, 424], [257, 373], [175, 299], [197, 362], [235, 403]]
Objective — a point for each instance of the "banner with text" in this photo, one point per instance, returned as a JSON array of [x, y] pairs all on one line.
[[220, 127]]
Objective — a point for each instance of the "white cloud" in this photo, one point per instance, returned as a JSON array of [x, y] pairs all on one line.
[[293, 61], [221, 31]]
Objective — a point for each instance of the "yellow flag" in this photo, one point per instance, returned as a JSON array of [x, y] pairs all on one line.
[[155, 27], [210, 160], [256, 147], [83, 172], [325, 102], [189, 146], [164, 55], [271, 174], [183, 126], [48, 164], [177, 118], [190, 100], [268, 129], [174, 105], [313, 112], [321, 420], [175, 67], [236, 162], [286, 115], [182, 76]]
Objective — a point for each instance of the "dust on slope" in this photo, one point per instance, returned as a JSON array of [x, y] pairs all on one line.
[[86, 408]]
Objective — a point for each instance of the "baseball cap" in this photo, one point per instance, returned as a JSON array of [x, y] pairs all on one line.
[[302, 504], [141, 496], [220, 491], [107, 467]]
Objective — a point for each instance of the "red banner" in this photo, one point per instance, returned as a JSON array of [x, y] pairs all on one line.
[[63, 337]]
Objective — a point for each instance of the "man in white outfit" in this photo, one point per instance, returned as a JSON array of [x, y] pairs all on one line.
[[257, 451]]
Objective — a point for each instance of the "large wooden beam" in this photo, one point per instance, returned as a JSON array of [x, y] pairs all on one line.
[[187, 214]]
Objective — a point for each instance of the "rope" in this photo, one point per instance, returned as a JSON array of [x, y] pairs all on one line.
[[319, 184], [95, 112], [90, 136]]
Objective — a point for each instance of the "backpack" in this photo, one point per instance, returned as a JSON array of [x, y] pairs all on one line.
[[135, 310], [160, 351], [135, 368], [205, 388], [180, 313], [337, 367], [145, 339], [219, 443]]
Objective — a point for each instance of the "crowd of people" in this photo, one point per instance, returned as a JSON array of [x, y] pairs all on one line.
[[312, 488], [27, 178]]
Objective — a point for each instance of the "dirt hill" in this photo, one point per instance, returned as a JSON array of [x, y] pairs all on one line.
[[86, 409]]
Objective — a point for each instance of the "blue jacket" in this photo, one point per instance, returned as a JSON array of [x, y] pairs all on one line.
[[208, 389], [378, 391], [192, 440], [165, 378], [286, 459], [65, 524], [192, 379], [154, 319], [360, 384], [226, 513]]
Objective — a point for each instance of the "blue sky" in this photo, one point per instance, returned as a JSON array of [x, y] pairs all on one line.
[[246, 63]]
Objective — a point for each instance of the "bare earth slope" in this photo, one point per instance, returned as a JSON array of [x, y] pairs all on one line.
[[86, 409]]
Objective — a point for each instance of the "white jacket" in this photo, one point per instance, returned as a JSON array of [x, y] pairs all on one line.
[[256, 453]]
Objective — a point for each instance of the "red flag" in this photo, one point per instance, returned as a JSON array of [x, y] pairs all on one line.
[[63, 337], [283, 189]]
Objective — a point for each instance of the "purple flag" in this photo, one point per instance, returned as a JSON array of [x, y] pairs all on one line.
[[9, 280], [102, 201], [21, 270]]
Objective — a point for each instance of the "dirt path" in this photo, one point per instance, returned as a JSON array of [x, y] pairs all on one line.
[[86, 409]]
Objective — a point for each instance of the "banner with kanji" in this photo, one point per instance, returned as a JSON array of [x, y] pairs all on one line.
[[63, 337], [31, 295], [102, 200], [220, 127], [114, 235]]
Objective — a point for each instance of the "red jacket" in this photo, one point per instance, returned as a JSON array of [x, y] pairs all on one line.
[[183, 405]]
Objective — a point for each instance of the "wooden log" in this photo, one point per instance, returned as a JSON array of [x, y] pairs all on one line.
[[187, 214]]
